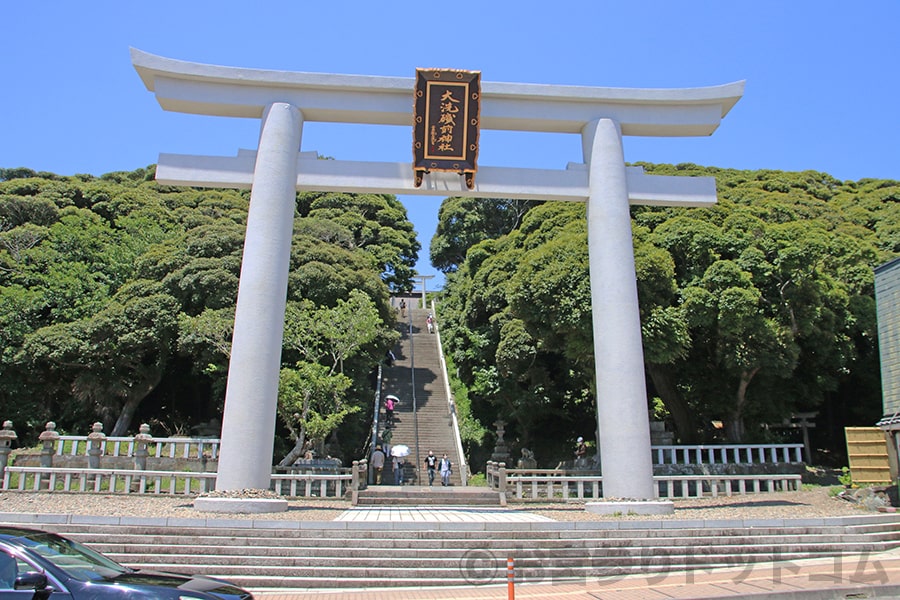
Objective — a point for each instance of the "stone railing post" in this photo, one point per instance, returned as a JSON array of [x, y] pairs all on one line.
[[358, 473], [141, 442], [48, 438], [490, 474], [364, 472], [95, 445], [501, 478], [7, 435], [354, 472]]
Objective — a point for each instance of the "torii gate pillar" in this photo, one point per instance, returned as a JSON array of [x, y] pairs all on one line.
[[622, 417], [253, 372]]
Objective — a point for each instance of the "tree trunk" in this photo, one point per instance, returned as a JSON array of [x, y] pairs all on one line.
[[296, 452], [300, 436], [132, 401], [664, 382], [734, 426]]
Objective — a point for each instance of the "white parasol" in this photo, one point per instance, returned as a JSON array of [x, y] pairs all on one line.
[[399, 450], [392, 397]]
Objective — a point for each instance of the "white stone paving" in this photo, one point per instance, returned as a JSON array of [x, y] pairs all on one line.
[[438, 514]]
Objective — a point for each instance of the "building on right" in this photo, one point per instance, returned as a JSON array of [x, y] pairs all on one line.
[[887, 304]]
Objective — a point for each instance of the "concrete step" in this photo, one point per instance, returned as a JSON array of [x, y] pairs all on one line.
[[560, 556], [345, 555], [121, 542], [550, 533], [391, 495], [479, 567], [431, 426]]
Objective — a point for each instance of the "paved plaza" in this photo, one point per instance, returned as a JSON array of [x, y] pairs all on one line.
[[438, 514]]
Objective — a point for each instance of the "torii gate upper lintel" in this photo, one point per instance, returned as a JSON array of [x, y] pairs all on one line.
[[277, 169]]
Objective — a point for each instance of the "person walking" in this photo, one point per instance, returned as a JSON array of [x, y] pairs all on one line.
[[430, 323], [402, 308], [580, 452], [378, 463], [431, 463], [398, 470], [446, 470], [389, 411]]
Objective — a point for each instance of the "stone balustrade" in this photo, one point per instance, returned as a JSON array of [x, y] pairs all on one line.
[[727, 454], [59, 450], [134, 481], [334, 481], [562, 484]]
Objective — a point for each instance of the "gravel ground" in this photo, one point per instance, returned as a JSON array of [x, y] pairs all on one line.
[[807, 503]]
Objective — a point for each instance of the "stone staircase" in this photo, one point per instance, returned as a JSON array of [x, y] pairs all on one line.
[[336, 554], [395, 495], [417, 370]]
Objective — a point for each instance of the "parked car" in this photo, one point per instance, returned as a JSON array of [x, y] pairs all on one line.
[[41, 565]]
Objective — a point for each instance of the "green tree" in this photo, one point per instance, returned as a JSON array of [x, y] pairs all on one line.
[[311, 394], [114, 359], [374, 223], [117, 294], [750, 309], [464, 222]]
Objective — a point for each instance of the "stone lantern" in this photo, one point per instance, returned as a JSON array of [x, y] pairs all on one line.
[[7, 435], [48, 438], [95, 445], [501, 452]]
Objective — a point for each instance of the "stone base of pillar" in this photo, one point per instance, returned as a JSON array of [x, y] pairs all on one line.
[[631, 507], [241, 505]]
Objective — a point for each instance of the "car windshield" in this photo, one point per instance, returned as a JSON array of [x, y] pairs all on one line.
[[79, 562]]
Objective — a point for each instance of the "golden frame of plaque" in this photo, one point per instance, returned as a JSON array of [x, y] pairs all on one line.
[[445, 123]]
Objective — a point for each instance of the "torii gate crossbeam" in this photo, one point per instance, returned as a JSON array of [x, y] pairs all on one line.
[[283, 101]]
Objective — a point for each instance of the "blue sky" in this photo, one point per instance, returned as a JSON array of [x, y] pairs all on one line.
[[823, 81]]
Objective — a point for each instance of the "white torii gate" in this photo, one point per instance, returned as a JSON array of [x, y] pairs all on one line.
[[283, 101]]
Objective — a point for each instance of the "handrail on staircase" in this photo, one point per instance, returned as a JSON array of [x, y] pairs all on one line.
[[373, 441], [451, 405]]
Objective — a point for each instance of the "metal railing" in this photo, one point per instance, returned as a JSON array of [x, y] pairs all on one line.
[[451, 407]]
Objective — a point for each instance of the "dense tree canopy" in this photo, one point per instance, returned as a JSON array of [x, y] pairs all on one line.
[[117, 300], [463, 222], [752, 309]]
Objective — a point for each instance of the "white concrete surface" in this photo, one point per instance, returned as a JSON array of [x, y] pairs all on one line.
[[205, 89], [642, 507], [248, 423], [623, 420], [437, 514], [241, 505], [569, 184]]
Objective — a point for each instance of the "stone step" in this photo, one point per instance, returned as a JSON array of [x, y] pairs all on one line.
[[431, 426], [344, 555], [121, 542], [566, 532], [483, 568], [562, 555], [438, 495]]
